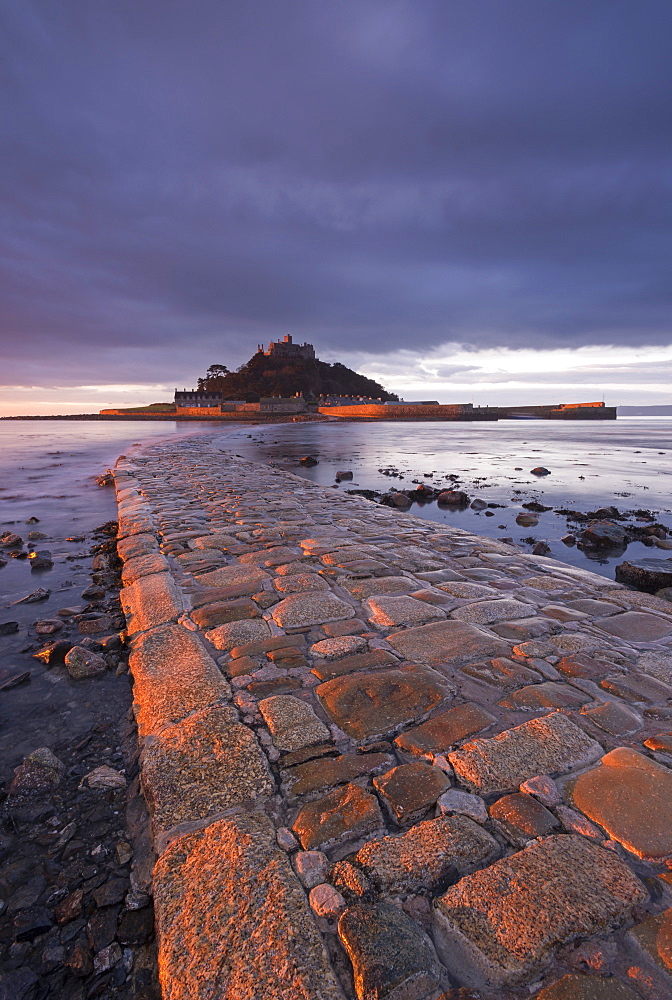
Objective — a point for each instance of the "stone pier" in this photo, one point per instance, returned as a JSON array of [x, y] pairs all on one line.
[[387, 759]]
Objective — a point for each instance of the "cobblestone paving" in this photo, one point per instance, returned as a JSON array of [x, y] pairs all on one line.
[[388, 759]]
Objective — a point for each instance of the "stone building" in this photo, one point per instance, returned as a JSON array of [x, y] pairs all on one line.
[[286, 350]]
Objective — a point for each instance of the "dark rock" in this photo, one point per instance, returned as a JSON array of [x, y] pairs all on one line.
[[40, 560], [54, 653], [111, 892], [107, 479], [452, 498], [648, 575], [478, 504], [82, 663], [20, 984], [102, 927], [568, 539], [29, 924], [136, 926], [541, 549], [540, 471], [605, 512], [308, 460], [8, 540], [94, 593], [537, 507], [37, 595], [341, 476], [40, 772], [390, 955], [8, 628], [603, 534], [7, 682], [69, 908], [80, 960]]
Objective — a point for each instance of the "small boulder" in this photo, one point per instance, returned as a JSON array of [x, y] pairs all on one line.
[[9, 540], [340, 476], [540, 471], [649, 575], [104, 777], [82, 663], [308, 460], [453, 498], [37, 595], [527, 520], [603, 534], [40, 559], [41, 771]]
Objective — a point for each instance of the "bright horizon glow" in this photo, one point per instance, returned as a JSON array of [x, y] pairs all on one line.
[[451, 373]]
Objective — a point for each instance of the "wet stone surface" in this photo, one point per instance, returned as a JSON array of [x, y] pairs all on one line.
[[430, 723], [76, 913]]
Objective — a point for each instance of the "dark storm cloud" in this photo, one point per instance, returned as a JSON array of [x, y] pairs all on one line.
[[185, 179]]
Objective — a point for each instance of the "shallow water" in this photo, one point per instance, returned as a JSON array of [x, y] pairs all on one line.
[[592, 464], [47, 471]]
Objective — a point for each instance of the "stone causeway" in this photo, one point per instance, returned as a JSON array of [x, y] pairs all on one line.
[[384, 758]]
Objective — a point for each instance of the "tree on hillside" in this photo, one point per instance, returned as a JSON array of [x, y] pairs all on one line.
[[263, 375]]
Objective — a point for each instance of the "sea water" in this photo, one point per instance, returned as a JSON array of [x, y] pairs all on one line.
[[625, 463]]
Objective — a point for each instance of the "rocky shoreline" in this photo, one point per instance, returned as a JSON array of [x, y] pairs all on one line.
[[397, 759], [76, 914]]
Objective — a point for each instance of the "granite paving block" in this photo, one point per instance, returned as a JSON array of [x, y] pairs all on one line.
[[486, 612], [446, 642], [372, 704], [391, 957], [219, 613], [143, 565], [502, 672], [410, 790], [292, 722], [653, 939], [238, 633], [658, 664], [428, 857], [201, 766], [173, 676], [502, 925], [151, 602], [552, 745], [338, 647], [636, 687], [316, 775], [521, 818], [550, 694], [299, 582], [661, 741], [248, 578], [326, 669], [636, 626], [578, 987], [581, 665], [629, 795], [614, 718], [389, 611], [310, 608], [136, 545], [361, 589], [439, 734], [344, 814], [255, 937]]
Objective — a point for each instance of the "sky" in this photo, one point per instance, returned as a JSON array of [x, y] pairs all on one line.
[[468, 200]]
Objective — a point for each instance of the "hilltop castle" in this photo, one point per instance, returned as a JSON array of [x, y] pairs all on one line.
[[285, 350]]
